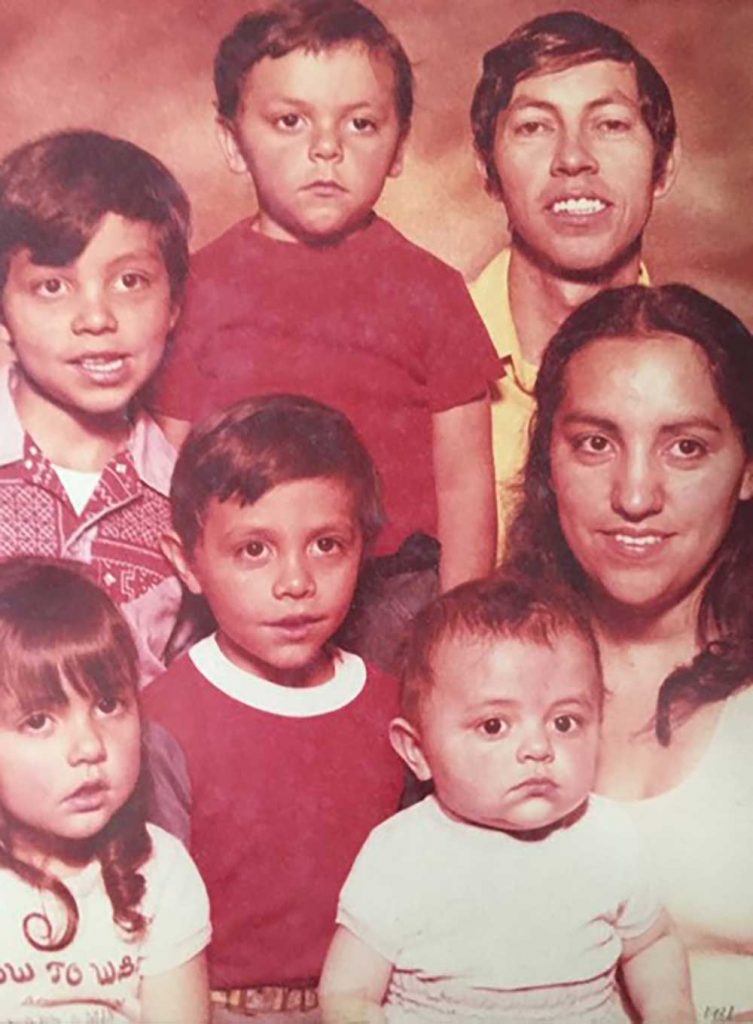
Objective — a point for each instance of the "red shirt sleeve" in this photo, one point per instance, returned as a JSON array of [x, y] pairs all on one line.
[[461, 359], [176, 390]]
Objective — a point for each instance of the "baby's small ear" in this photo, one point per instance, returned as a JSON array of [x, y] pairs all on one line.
[[172, 548], [406, 741]]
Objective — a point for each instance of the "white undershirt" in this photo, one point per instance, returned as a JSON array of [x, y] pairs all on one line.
[[79, 485]]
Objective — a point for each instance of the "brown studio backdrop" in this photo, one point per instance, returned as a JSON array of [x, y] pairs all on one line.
[[142, 69]]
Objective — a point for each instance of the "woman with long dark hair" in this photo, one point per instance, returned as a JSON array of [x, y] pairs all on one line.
[[637, 494]]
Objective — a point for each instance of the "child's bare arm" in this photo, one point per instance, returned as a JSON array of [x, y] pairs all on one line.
[[354, 980], [179, 996], [655, 968], [464, 475]]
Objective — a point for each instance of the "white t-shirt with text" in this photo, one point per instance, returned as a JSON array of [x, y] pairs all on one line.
[[96, 979]]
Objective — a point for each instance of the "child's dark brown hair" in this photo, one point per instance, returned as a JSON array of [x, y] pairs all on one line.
[[54, 192], [258, 443], [504, 607], [313, 26]]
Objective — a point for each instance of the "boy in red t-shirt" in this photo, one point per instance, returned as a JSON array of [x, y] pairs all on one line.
[[282, 738], [315, 294]]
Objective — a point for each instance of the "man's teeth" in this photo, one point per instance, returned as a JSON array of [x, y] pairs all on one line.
[[578, 206], [95, 365], [639, 542]]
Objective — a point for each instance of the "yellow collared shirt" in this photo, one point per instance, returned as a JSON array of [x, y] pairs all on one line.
[[512, 398]]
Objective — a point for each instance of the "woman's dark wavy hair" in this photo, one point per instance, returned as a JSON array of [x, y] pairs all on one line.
[[57, 625], [536, 544]]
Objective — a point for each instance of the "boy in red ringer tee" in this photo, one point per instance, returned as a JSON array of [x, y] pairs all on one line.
[[318, 295], [282, 738]]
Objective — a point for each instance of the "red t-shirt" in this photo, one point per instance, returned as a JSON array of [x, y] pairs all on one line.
[[279, 807], [374, 326]]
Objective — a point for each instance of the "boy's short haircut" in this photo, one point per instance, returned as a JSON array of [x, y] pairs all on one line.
[[555, 42], [504, 607], [313, 26], [55, 190], [259, 443]]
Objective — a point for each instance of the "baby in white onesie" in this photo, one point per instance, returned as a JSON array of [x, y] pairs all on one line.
[[511, 894]]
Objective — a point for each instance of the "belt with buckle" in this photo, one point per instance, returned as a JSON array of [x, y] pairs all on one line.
[[267, 998]]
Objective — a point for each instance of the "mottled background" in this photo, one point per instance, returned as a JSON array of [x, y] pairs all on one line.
[[142, 69]]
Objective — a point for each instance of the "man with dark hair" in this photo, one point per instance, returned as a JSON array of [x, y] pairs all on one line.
[[574, 132]]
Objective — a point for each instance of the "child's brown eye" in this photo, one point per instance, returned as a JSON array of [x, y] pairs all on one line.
[[108, 705], [51, 286], [565, 723], [492, 726], [131, 280], [36, 722], [254, 549]]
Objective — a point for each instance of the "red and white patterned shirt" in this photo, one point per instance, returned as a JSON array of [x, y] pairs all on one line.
[[118, 532]]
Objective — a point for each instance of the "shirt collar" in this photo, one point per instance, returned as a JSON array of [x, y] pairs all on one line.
[[153, 455], [491, 292], [347, 682]]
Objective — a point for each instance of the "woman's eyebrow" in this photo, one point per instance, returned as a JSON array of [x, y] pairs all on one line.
[[589, 418], [677, 426], [692, 423]]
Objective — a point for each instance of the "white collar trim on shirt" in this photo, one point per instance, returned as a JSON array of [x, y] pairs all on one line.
[[247, 688], [153, 455]]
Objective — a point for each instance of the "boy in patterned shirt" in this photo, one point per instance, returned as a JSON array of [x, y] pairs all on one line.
[[93, 262]]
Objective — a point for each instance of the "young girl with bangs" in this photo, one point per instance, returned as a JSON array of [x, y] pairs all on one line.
[[105, 918]]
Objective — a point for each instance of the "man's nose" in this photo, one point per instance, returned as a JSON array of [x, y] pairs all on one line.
[[572, 154]]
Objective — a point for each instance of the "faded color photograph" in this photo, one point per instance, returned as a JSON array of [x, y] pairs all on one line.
[[143, 71], [376, 512]]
